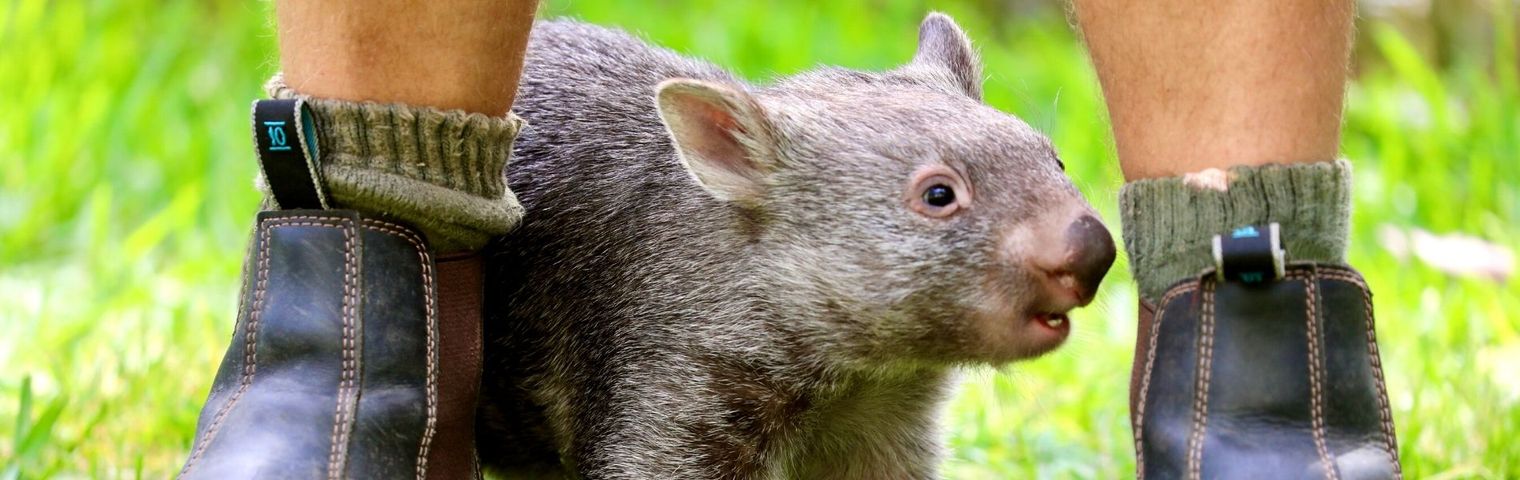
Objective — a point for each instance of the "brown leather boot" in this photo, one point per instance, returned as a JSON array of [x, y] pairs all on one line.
[[356, 352], [1261, 369]]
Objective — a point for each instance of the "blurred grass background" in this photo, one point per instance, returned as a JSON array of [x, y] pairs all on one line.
[[126, 196]]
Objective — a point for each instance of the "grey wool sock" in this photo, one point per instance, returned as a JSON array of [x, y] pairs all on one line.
[[1169, 223], [443, 172]]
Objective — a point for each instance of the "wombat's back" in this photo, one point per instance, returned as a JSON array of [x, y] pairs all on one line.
[[587, 93]]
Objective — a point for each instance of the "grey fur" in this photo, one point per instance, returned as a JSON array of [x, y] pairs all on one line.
[[641, 326]]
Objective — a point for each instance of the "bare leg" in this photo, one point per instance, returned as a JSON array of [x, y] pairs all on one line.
[[455, 54], [452, 65], [1193, 85]]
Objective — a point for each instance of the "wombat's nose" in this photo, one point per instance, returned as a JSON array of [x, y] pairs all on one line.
[[1090, 251]]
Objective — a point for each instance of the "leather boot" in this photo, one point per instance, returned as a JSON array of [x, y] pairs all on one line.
[[1261, 369], [356, 353]]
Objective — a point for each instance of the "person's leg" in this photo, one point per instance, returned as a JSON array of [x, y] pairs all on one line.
[[1226, 115], [1193, 85], [450, 55], [1197, 88], [430, 82], [357, 348]]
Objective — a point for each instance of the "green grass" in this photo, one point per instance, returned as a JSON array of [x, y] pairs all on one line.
[[126, 196]]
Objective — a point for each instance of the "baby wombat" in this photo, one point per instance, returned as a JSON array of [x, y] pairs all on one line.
[[721, 280]]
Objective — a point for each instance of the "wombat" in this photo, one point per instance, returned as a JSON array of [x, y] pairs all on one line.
[[721, 280]]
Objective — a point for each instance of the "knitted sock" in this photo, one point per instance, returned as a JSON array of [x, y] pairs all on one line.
[[1169, 223], [440, 171]]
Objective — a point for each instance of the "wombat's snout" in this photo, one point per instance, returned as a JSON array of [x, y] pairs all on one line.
[[1088, 254]]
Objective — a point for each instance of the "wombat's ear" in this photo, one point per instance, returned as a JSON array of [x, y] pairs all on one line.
[[721, 135], [943, 46]]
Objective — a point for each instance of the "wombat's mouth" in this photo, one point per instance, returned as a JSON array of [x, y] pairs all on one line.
[[1044, 331], [1055, 321], [1007, 331]]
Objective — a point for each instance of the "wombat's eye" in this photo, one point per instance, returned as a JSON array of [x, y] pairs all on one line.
[[939, 195], [938, 191]]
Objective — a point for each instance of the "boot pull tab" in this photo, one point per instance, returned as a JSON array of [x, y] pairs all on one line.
[[285, 134], [1251, 254]]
